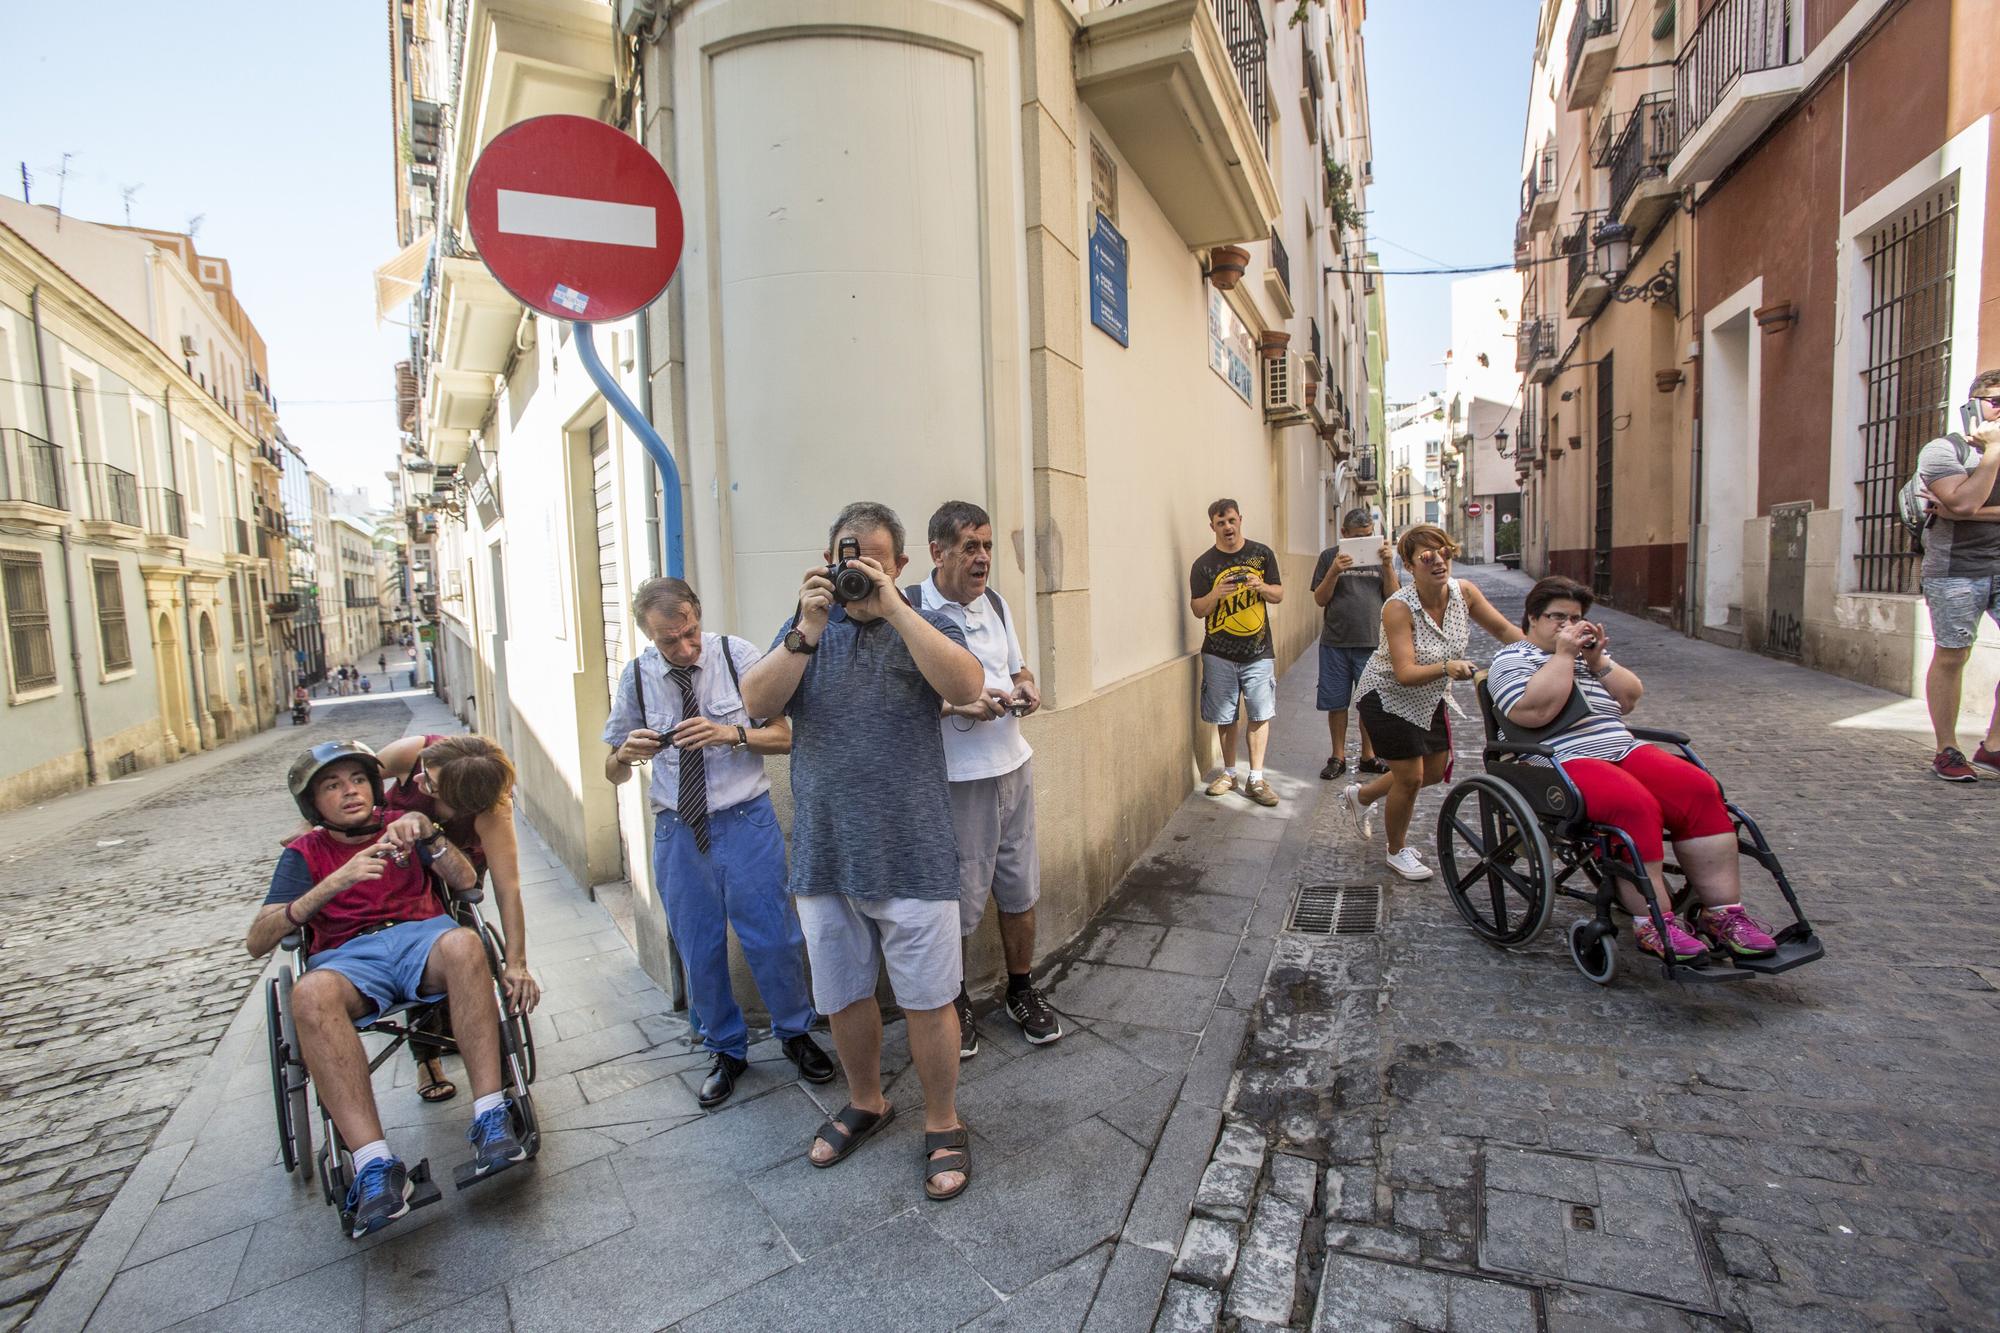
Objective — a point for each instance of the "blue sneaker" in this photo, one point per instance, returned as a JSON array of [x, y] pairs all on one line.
[[379, 1195], [493, 1141]]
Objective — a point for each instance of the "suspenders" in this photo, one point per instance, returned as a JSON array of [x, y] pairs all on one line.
[[639, 679]]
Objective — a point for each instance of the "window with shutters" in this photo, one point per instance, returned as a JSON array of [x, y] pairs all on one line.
[[31, 646], [604, 499], [114, 641]]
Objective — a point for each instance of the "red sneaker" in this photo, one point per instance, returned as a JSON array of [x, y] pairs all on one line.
[[1950, 766], [1986, 761]]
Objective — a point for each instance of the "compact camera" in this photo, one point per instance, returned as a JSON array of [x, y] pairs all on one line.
[[850, 582]]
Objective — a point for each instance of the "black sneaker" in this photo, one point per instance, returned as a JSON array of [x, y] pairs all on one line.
[[1334, 768], [968, 1034], [1371, 766], [1030, 1008]]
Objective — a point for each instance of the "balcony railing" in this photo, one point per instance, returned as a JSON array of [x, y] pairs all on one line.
[[1578, 244], [1644, 148], [1524, 244], [242, 527], [1280, 261], [1603, 140], [1534, 340], [169, 511], [1593, 18], [283, 604], [1242, 26], [1540, 185], [113, 492], [31, 469], [1736, 37]]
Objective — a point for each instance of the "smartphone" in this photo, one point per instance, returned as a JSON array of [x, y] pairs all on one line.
[[1969, 418]]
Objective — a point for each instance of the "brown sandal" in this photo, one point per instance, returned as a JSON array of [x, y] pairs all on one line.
[[958, 1158], [848, 1130], [435, 1087]]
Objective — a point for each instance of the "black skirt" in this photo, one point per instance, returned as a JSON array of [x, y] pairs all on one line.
[[1395, 737]]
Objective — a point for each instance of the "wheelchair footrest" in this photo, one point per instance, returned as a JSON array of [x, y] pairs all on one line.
[[1793, 952], [1707, 972], [467, 1174], [423, 1190]]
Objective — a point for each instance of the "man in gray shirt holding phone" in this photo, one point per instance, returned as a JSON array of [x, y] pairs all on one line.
[[1961, 571], [1352, 592]]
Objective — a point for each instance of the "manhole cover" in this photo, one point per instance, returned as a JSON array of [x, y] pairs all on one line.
[[1337, 909], [1593, 1222]]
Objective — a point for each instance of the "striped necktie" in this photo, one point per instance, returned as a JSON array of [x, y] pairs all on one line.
[[692, 806]]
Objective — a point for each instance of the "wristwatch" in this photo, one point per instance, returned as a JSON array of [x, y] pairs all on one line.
[[742, 739], [795, 642]]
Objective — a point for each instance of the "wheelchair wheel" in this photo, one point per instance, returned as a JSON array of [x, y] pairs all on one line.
[[288, 1077], [517, 1035], [1495, 860], [1594, 949]]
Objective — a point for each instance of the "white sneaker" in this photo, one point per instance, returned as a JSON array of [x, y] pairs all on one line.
[[1409, 865], [1362, 815]]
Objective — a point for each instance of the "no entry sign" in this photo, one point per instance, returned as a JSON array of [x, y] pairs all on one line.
[[574, 218], [1475, 509]]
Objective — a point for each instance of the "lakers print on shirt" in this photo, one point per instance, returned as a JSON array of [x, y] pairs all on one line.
[[1239, 624]]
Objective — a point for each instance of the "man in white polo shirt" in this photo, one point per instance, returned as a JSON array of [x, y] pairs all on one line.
[[990, 766]]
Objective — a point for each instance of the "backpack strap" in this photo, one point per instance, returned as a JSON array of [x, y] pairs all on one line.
[[638, 686], [998, 606], [914, 595]]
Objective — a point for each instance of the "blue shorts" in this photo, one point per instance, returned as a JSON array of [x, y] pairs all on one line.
[[387, 966], [1223, 680], [1339, 669]]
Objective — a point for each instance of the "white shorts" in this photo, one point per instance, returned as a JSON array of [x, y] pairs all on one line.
[[849, 939], [994, 819]]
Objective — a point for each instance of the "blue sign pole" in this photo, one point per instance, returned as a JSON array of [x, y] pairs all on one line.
[[629, 413]]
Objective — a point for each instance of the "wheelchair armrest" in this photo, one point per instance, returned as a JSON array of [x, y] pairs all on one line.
[[1662, 735], [475, 894], [1507, 749], [293, 941]]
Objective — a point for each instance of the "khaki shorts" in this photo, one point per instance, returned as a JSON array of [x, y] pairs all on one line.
[[994, 819], [848, 940]]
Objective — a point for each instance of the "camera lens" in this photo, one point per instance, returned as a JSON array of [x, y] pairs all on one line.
[[851, 584]]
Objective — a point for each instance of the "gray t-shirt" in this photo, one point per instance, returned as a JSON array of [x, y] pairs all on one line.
[[871, 813], [1354, 612], [1956, 550]]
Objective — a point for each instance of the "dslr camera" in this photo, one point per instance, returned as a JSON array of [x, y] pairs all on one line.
[[850, 582]]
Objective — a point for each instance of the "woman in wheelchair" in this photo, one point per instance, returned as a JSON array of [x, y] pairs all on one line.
[[358, 889], [466, 784], [1625, 783]]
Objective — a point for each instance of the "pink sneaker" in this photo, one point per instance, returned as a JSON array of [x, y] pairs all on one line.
[[1736, 931], [1687, 949]]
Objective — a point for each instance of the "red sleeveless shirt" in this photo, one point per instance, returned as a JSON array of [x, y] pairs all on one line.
[[400, 893]]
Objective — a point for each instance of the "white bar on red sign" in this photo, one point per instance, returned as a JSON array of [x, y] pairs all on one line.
[[563, 218]]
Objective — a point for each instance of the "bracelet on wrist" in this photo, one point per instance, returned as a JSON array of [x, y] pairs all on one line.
[[291, 920]]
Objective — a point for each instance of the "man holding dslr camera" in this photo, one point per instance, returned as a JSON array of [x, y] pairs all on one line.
[[991, 767], [864, 675]]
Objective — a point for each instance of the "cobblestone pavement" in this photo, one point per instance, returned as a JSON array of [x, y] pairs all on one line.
[[1498, 1143], [121, 963]]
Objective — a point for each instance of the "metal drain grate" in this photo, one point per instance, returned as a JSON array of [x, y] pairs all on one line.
[[125, 765], [1337, 909]]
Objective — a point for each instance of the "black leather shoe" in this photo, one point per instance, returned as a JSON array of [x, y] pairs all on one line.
[[721, 1080], [814, 1066]]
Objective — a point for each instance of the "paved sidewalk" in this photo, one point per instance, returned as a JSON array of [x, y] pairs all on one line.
[[1485, 1140], [643, 1213]]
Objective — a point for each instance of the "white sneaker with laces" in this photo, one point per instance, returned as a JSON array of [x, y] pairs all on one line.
[[1409, 865], [1362, 815]]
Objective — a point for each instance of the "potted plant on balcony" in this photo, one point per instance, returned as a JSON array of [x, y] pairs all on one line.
[[1225, 266], [1272, 343]]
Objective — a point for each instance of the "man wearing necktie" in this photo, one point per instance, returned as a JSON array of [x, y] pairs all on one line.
[[718, 857]]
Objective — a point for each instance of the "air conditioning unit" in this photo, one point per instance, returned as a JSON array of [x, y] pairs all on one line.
[[187, 344], [1284, 388], [634, 15]]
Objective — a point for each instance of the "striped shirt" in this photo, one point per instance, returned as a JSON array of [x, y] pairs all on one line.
[[1600, 735]]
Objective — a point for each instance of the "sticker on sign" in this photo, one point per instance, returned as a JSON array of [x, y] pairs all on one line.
[[570, 299]]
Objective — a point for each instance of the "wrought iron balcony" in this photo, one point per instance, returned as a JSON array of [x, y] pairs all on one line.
[[1535, 348], [114, 494], [1538, 191], [168, 512], [1644, 151], [1587, 287], [1593, 49], [31, 470], [1735, 76], [283, 605]]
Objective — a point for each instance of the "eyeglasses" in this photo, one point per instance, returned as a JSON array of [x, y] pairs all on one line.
[[1561, 618], [1990, 401]]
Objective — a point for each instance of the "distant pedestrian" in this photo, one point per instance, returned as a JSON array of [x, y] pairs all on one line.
[[382, 663], [992, 769], [1426, 628], [1961, 574], [1351, 594], [1231, 587], [718, 857], [864, 677]]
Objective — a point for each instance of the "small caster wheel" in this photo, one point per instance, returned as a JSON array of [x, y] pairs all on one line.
[[1595, 952]]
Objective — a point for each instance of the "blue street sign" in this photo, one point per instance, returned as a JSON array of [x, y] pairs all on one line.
[[1107, 281]]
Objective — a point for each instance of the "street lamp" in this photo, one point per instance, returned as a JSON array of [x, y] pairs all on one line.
[[1613, 241], [1500, 441]]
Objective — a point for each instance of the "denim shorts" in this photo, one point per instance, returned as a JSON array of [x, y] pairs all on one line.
[[1223, 680], [849, 940], [1339, 669], [387, 966], [1956, 605]]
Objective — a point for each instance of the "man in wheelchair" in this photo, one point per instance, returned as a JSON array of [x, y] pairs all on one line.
[[1632, 786], [376, 934]]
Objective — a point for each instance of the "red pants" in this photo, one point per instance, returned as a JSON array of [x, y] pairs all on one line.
[[1649, 790]]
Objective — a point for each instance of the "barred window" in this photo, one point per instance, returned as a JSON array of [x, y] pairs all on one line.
[[112, 637], [31, 647]]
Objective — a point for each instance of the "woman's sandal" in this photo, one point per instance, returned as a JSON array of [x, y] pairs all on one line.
[[848, 1130], [958, 1159], [435, 1087]]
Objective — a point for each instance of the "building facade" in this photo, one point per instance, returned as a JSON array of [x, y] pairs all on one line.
[[133, 592], [1482, 394], [1089, 265], [1416, 436]]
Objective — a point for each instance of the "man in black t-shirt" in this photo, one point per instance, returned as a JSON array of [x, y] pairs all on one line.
[[1231, 588]]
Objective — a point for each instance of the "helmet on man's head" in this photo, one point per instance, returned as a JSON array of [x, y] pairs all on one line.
[[306, 769]]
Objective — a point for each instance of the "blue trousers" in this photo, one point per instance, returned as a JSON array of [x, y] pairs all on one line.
[[739, 884]]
